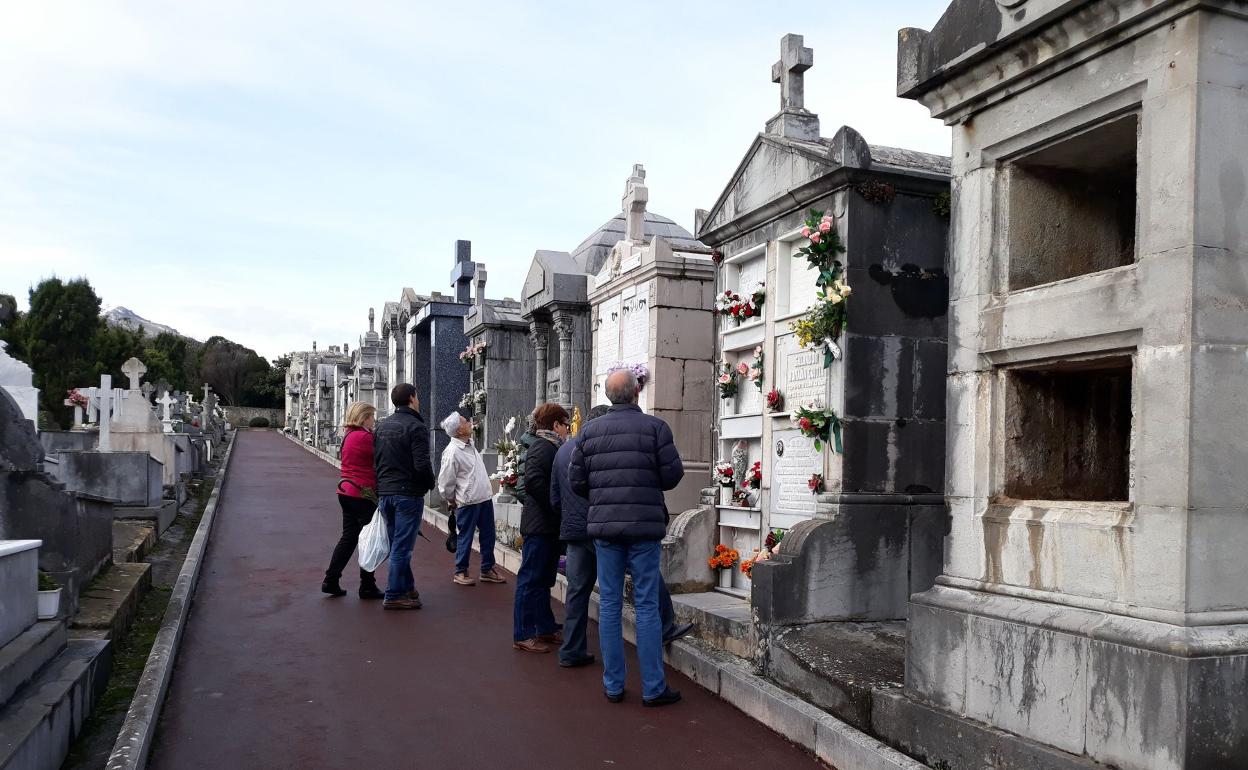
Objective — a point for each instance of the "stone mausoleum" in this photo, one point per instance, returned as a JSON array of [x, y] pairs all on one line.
[[858, 549], [1094, 599]]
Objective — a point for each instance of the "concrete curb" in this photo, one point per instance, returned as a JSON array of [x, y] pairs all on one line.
[[815, 730], [134, 742]]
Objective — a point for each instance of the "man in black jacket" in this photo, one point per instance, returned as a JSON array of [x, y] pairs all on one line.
[[622, 463], [404, 475]]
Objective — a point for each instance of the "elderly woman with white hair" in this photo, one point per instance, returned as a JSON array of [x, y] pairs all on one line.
[[465, 486]]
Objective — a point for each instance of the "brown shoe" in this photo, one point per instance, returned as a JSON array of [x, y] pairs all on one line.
[[461, 579], [530, 645], [414, 595], [492, 576], [400, 604], [555, 638]]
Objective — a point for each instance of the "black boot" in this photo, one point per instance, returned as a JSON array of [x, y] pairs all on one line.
[[371, 591], [332, 588]]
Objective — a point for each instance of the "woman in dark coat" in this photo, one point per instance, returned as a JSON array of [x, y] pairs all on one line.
[[535, 626]]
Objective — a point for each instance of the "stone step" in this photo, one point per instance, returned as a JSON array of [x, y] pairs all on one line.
[[840, 667], [110, 602], [162, 514], [132, 540], [23, 657], [722, 621], [37, 726]]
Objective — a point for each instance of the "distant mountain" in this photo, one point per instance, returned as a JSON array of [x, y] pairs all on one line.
[[128, 319]]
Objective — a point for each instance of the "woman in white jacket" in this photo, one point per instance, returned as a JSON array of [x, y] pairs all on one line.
[[465, 486]]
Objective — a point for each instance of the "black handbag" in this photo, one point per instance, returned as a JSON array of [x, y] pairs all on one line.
[[452, 536]]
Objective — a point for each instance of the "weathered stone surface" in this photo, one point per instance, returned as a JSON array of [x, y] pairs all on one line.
[[20, 449], [690, 536]]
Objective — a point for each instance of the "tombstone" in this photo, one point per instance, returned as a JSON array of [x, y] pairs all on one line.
[[501, 365], [555, 303], [875, 534], [16, 378], [76, 530], [1094, 596], [166, 403], [651, 303], [104, 405], [78, 411], [134, 412]]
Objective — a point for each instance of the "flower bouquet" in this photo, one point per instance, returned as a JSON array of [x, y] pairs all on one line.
[[727, 381], [468, 355], [775, 400], [754, 476], [823, 322], [76, 399], [755, 371], [723, 557], [820, 423], [816, 484], [725, 477]]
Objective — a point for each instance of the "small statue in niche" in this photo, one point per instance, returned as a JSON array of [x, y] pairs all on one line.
[[740, 460]]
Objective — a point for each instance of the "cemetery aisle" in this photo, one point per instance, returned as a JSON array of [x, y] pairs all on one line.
[[272, 674]]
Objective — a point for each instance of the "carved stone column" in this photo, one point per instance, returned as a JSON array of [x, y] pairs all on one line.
[[539, 335], [563, 327]]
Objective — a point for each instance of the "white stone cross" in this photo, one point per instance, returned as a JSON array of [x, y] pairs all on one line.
[[134, 370], [794, 60], [77, 411], [207, 389], [105, 398], [636, 195], [166, 403], [148, 388]]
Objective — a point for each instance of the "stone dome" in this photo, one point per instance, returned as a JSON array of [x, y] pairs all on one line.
[[595, 249]]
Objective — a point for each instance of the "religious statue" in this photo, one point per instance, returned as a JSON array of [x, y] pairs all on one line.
[[740, 460], [576, 420]]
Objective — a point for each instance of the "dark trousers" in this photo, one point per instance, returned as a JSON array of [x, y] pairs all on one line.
[[356, 512], [582, 573], [539, 564], [403, 516]]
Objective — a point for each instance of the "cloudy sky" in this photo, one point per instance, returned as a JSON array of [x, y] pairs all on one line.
[[268, 171]]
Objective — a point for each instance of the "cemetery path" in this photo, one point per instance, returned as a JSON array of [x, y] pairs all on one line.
[[272, 674]]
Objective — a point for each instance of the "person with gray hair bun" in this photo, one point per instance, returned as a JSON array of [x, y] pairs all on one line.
[[465, 486]]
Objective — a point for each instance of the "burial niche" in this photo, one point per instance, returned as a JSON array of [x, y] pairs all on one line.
[[1068, 430], [1072, 206]]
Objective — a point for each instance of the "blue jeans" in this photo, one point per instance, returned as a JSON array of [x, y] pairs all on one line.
[[403, 515], [581, 572], [642, 560], [470, 518], [539, 564]]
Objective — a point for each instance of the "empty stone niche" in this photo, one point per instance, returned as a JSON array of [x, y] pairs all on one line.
[[1068, 430], [1072, 206]]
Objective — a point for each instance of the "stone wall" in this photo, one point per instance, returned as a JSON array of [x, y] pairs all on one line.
[[241, 416]]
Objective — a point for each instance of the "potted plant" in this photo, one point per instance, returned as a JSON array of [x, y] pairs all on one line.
[[49, 597]]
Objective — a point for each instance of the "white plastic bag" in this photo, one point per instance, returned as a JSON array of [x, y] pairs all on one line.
[[374, 544]]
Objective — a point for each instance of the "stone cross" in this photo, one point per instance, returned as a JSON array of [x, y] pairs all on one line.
[[77, 412], [207, 390], [371, 330], [106, 398], [134, 369], [166, 411], [635, 198], [480, 278], [794, 60], [148, 388]]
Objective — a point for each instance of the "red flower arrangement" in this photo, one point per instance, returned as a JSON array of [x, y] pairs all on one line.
[[816, 484], [754, 476], [76, 398], [723, 558], [717, 256], [775, 400]]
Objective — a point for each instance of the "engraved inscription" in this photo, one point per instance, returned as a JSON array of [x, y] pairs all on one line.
[[794, 460]]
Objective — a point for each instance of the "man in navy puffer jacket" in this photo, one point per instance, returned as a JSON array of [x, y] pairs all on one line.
[[622, 463]]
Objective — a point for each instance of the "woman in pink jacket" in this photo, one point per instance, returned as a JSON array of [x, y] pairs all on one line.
[[357, 494]]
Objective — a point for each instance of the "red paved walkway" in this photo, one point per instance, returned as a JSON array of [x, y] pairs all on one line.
[[271, 674]]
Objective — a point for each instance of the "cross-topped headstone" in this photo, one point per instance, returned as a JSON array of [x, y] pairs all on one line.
[[134, 370], [148, 388], [77, 411], [166, 403], [789, 72], [105, 400], [636, 195]]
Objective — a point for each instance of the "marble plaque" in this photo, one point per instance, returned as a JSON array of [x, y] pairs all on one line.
[[801, 374], [793, 461], [635, 341], [752, 273], [607, 350]]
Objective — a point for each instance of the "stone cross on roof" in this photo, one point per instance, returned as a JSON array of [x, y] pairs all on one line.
[[788, 72], [636, 196], [134, 370], [370, 321]]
